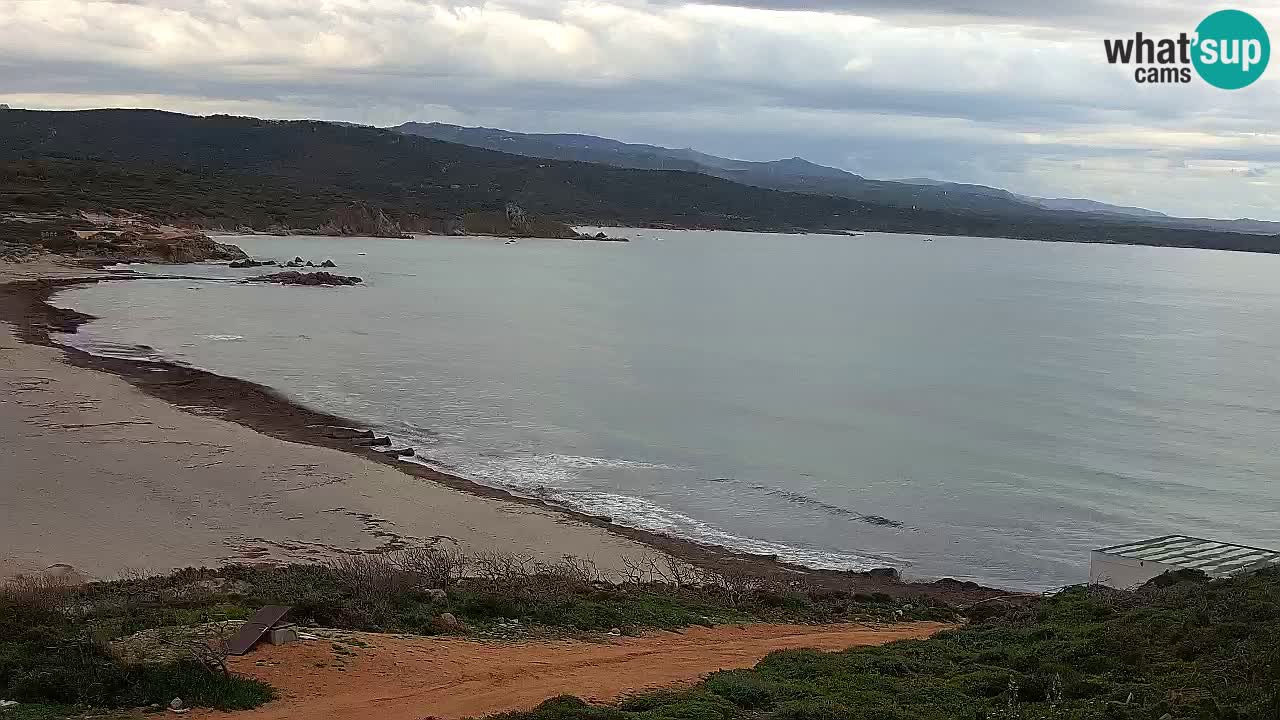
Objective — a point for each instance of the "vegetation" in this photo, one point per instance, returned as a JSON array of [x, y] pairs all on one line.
[[65, 646], [1180, 648], [54, 659], [229, 172]]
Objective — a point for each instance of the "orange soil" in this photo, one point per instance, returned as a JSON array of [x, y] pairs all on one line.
[[411, 678]]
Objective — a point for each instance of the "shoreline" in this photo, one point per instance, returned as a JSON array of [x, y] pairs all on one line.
[[25, 304]]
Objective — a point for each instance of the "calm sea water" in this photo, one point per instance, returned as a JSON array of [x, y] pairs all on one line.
[[976, 408]]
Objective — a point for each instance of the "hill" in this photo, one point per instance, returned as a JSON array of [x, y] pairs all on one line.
[[792, 174], [800, 175], [229, 172]]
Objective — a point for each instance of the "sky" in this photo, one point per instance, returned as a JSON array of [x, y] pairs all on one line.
[[998, 92]]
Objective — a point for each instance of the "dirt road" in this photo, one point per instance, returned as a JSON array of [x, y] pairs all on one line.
[[409, 678]]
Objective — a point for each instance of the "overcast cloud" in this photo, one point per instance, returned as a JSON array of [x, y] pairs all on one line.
[[983, 91]]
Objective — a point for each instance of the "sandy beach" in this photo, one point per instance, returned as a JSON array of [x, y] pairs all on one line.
[[106, 479], [115, 466]]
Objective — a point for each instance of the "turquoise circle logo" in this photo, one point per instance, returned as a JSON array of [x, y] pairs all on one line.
[[1232, 49]]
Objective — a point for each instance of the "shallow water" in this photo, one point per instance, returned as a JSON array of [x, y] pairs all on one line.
[[976, 408]]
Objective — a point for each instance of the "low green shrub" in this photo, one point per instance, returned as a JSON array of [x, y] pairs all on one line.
[[47, 657], [1184, 647]]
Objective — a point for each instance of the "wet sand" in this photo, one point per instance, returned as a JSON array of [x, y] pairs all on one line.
[[105, 478], [123, 465]]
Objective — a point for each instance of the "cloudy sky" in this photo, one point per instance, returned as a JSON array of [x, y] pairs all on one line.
[[999, 92]]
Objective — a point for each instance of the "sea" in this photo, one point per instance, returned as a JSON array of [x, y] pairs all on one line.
[[977, 408]]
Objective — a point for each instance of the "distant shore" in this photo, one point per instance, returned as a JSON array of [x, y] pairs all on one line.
[[376, 500]]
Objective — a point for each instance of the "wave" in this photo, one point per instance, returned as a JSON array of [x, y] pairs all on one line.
[[646, 515], [103, 348], [549, 477], [801, 499]]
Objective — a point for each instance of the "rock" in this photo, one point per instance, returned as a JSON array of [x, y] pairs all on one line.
[[146, 243], [329, 263], [516, 216], [906, 608], [402, 452], [954, 584], [375, 442], [359, 219], [345, 433], [292, 277], [887, 573], [297, 260], [251, 263], [63, 575], [615, 631], [310, 264], [437, 595], [447, 623], [176, 704]]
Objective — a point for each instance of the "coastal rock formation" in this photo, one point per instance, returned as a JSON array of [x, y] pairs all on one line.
[[250, 263], [601, 237], [293, 277], [328, 264], [361, 220], [139, 245], [513, 221]]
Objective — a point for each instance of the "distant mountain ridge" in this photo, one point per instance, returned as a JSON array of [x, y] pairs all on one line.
[[233, 172], [1093, 206], [793, 174], [799, 175]]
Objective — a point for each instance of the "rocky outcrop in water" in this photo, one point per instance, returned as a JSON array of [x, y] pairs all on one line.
[[293, 277], [601, 237], [135, 246], [362, 220]]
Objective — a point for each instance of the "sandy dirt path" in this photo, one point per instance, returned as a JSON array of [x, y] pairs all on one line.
[[410, 678]]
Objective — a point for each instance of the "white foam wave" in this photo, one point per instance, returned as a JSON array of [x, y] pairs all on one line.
[[224, 338], [551, 477]]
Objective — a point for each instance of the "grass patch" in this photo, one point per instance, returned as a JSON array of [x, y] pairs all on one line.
[[56, 641], [53, 663], [408, 591], [1188, 649]]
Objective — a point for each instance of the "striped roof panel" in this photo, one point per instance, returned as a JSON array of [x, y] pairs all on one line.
[[1211, 556]]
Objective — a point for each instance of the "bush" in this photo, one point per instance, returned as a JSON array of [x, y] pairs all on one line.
[[746, 689], [46, 658], [1188, 649], [814, 709]]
